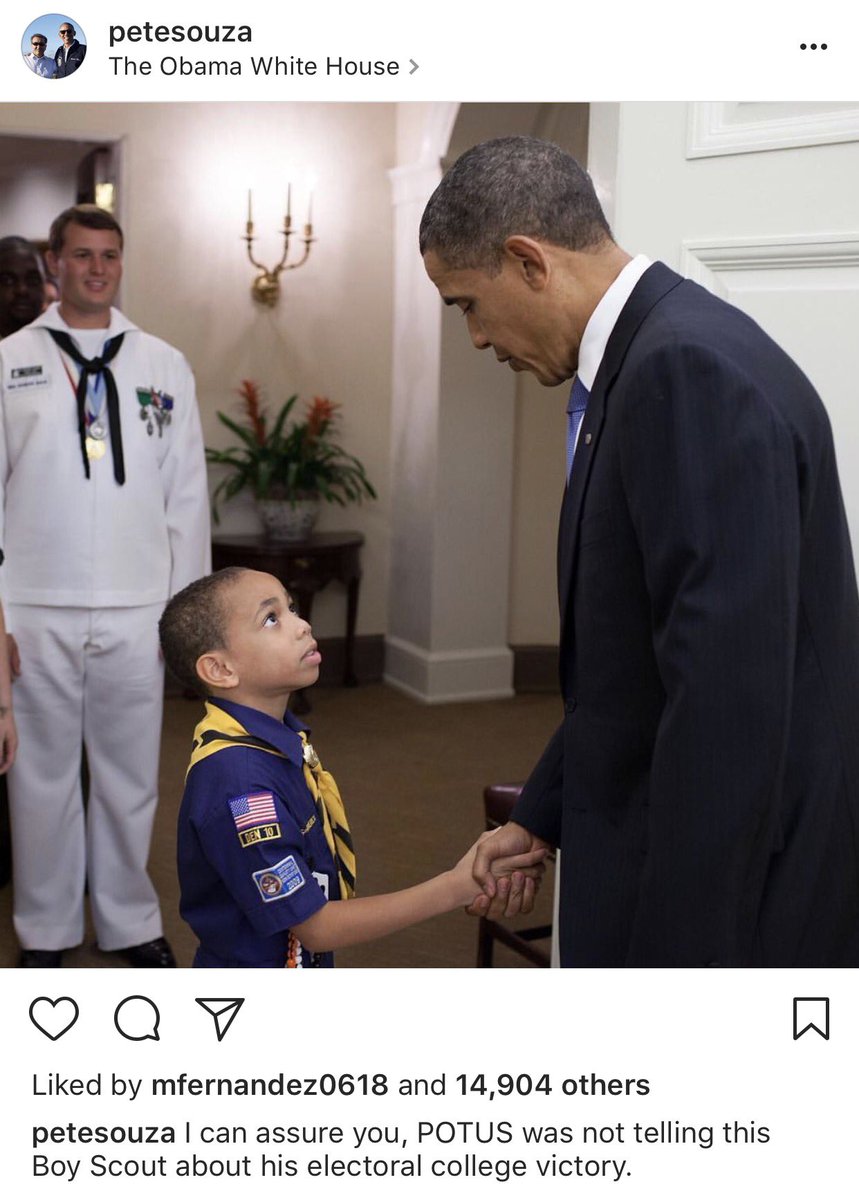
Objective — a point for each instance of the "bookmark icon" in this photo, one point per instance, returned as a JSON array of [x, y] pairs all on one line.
[[223, 1012], [811, 1012]]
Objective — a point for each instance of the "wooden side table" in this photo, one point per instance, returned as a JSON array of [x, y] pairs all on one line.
[[304, 568]]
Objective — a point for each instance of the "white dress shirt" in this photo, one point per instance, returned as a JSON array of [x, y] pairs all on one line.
[[604, 318], [44, 66]]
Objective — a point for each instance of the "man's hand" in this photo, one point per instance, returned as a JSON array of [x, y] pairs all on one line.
[[505, 893], [521, 871], [8, 739], [14, 656]]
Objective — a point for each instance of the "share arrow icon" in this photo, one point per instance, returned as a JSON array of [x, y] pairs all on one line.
[[223, 1012]]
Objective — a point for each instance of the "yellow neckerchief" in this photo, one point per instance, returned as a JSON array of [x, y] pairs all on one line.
[[329, 805], [218, 730]]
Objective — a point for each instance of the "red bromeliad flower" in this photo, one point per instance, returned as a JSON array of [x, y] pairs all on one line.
[[250, 394], [320, 414], [279, 460]]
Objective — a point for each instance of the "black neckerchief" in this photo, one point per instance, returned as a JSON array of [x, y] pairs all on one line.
[[97, 366]]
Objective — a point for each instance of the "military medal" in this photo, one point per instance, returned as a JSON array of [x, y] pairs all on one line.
[[156, 409], [96, 429]]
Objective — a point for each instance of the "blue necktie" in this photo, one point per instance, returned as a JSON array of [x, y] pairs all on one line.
[[575, 415]]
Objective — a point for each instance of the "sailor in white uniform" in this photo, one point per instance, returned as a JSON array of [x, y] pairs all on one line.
[[106, 515]]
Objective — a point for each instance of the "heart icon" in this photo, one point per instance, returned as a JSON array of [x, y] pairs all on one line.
[[53, 1018]]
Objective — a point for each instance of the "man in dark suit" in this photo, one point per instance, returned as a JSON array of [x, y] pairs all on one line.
[[71, 52], [704, 782]]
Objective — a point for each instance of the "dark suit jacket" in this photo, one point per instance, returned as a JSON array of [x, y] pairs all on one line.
[[69, 60], [704, 783]]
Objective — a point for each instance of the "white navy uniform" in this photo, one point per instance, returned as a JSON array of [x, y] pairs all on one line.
[[89, 566]]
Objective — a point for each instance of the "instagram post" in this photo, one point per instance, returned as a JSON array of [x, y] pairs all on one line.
[[519, 688]]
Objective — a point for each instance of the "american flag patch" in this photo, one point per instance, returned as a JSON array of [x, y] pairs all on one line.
[[257, 808]]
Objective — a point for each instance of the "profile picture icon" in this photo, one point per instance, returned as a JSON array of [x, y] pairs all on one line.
[[53, 46]]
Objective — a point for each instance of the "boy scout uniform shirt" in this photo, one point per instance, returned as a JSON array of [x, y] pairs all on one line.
[[253, 857]]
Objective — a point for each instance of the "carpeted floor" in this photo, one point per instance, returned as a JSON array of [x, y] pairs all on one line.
[[412, 777]]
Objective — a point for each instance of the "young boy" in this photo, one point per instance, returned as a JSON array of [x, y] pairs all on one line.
[[266, 864]]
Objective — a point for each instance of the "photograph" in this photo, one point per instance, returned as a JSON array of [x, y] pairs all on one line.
[[53, 46], [573, 624]]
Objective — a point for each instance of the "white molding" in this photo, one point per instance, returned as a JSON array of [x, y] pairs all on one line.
[[413, 184], [448, 676], [416, 181], [703, 259], [717, 128], [438, 130], [50, 133]]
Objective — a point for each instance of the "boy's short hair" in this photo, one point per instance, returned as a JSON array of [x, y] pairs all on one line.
[[195, 622]]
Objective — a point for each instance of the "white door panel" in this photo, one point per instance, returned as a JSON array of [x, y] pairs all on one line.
[[761, 205]]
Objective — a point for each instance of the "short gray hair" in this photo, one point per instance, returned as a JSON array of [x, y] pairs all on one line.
[[507, 186]]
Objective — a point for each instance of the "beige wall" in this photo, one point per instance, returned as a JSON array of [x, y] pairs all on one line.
[[185, 171]]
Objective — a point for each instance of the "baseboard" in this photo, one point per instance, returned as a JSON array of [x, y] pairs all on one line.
[[447, 677]]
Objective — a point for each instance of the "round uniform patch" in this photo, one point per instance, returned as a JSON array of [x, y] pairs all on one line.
[[270, 885]]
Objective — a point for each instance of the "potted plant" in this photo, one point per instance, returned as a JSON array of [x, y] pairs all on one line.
[[290, 468]]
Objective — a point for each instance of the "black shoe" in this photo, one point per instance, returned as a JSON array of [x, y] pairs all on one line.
[[149, 954], [41, 958]]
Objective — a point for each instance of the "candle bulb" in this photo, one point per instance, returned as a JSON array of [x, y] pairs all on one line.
[[310, 209], [288, 203], [250, 214]]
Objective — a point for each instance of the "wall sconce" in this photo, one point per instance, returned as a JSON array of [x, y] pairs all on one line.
[[265, 288]]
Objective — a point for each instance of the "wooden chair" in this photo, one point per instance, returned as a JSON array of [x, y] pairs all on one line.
[[498, 801]]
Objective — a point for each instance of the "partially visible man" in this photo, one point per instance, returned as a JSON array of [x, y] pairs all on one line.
[[103, 479], [704, 781], [21, 296], [39, 62], [71, 53], [21, 285]]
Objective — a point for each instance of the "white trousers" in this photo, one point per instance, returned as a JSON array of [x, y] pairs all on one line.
[[92, 676]]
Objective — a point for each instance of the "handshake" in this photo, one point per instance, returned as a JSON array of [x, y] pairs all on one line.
[[508, 865]]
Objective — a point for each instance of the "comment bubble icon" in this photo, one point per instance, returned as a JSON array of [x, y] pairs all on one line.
[[137, 1018]]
